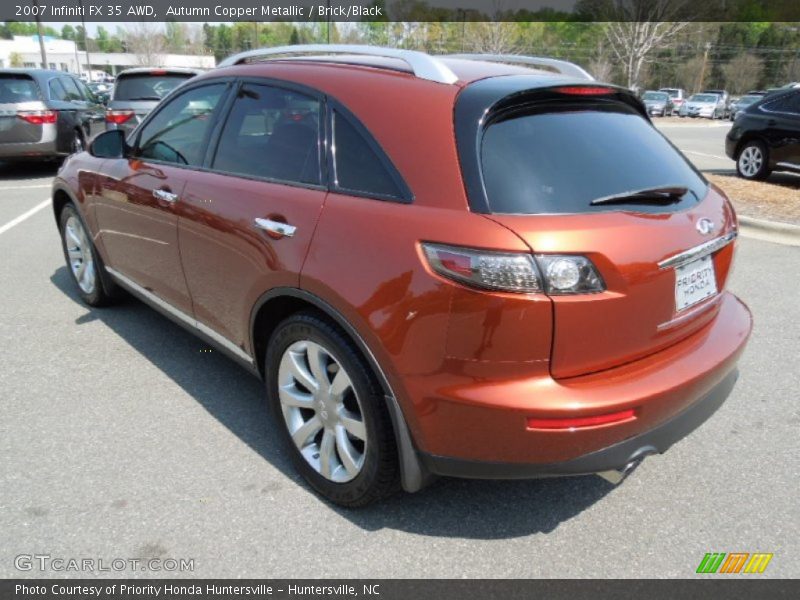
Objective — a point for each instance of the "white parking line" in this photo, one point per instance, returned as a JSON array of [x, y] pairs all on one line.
[[25, 187], [706, 155], [24, 216]]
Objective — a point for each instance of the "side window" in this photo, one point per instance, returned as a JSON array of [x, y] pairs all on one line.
[[357, 166], [71, 88], [177, 133], [57, 91], [787, 104], [272, 133]]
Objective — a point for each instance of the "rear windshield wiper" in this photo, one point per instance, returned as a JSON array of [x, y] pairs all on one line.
[[658, 195], [144, 98]]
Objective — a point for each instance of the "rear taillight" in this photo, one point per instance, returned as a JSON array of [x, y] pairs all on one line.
[[38, 117], [485, 269], [515, 272], [584, 90], [118, 117]]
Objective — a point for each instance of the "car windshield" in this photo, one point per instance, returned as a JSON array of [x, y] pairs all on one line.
[[703, 98], [658, 96], [748, 100], [17, 88], [147, 86], [530, 159]]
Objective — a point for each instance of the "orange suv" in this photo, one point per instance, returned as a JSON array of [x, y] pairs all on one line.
[[439, 265]]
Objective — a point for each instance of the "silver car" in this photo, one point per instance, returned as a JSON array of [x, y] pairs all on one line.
[[709, 106], [45, 114], [658, 103], [137, 91]]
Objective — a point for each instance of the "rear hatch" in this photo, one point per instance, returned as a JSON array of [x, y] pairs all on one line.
[[19, 96], [137, 93], [558, 169]]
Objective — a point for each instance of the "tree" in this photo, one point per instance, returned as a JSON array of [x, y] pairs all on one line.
[[636, 28], [68, 32], [743, 73], [15, 59], [147, 42], [492, 37]]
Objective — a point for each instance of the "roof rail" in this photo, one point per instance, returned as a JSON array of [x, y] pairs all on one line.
[[422, 65], [561, 66]]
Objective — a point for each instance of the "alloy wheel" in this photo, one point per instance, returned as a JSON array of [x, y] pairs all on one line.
[[79, 252], [750, 161], [322, 411]]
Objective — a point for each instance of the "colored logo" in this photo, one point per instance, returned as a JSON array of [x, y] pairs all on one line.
[[734, 562]]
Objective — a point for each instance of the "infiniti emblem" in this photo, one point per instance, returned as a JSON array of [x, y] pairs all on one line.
[[705, 226]]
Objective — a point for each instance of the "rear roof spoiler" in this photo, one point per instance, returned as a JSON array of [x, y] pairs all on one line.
[[559, 66]]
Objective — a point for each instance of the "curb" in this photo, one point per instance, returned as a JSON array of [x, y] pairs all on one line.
[[771, 231]]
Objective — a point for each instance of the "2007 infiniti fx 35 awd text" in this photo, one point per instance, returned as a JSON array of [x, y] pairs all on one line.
[[438, 265]]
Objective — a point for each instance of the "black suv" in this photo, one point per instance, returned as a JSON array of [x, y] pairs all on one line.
[[765, 136], [45, 114]]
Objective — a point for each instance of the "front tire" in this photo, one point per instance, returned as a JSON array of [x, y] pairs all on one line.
[[331, 411], [83, 261], [753, 161]]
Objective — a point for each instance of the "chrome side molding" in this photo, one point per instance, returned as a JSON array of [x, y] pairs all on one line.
[[275, 227], [697, 252]]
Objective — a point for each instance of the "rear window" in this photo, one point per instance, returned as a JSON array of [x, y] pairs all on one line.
[[18, 88], [558, 160], [147, 86]]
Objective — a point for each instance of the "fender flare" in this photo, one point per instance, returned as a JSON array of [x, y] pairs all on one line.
[[413, 474]]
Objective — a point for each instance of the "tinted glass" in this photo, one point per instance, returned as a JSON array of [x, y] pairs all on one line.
[[703, 98], [17, 88], [358, 168], [789, 104], [660, 96], [558, 162], [271, 133], [57, 91], [177, 133], [73, 92], [147, 86]]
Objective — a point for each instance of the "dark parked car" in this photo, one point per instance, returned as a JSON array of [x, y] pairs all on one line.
[[138, 91], [439, 266], [740, 104], [102, 91], [45, 114], [658, 103], [765, 137]]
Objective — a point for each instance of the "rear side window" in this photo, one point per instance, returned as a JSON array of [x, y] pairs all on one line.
[[18, 88], [178, 132], [358, 167], [787, 104], [147, 86], [272, 133], [558, 160]]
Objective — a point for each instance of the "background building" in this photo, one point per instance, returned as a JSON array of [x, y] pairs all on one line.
[[63, 55]]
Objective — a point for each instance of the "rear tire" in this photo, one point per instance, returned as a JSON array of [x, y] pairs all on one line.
[[753, 161], [331, 411], [83, 261]]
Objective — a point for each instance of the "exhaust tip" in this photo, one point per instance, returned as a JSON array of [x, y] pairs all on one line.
[[617, 476]]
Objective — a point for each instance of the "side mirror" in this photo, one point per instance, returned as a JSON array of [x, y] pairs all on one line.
[[109, 144]]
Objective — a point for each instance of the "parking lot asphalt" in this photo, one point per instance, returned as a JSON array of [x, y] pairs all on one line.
[[701, 140], [121, 438]]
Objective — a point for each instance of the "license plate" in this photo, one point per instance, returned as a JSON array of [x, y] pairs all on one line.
[[694, 282]]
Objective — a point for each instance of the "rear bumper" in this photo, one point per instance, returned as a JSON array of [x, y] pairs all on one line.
[[610, 458], [477, 428], [29, 150]]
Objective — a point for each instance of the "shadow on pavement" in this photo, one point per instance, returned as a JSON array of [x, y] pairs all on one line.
[[448, 508], [784, 178], [32, 169]]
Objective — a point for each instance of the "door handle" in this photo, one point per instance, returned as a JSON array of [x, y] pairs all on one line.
[[165, 196], [283, 229]]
